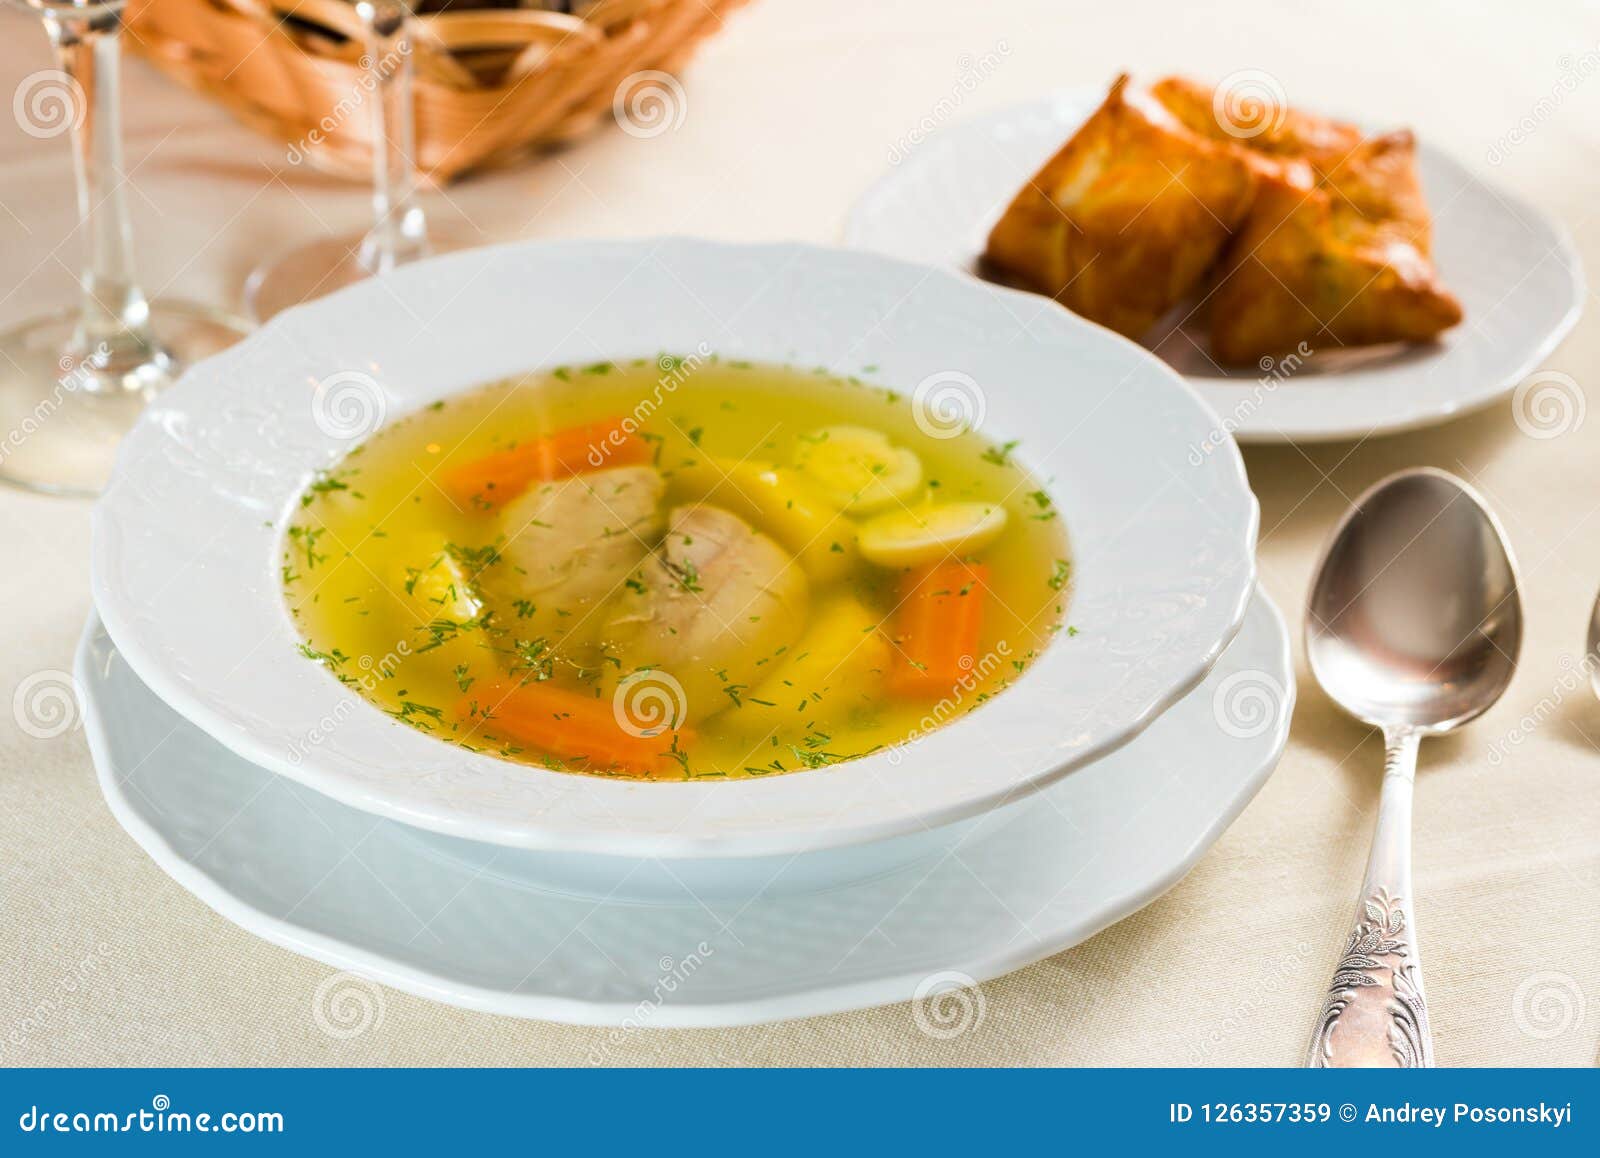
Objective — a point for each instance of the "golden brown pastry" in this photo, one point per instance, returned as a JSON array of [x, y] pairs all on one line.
[[1335, 248], [1276, 138], [1378, 179], [1125, 220], [1343, 264], [1313, 233]]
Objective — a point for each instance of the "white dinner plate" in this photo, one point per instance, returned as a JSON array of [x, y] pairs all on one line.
[[188, 539], [460, 922], [1518, 276]]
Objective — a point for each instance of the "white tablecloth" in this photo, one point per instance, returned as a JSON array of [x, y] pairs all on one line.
[[791, 112]]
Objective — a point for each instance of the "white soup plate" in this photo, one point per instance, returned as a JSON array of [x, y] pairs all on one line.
[[187, 539]]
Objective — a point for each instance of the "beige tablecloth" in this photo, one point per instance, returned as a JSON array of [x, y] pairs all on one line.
[[791, 113]]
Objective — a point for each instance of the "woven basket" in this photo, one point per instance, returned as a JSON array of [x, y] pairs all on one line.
[[491, 83]]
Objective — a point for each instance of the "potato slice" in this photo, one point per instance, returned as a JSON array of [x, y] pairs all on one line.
[[440, 588], [839, 663], [441, 592], [859, 468], [930, 533], [780, 502]]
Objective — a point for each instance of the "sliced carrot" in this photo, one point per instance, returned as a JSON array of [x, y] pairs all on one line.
[[500, 477], [570, 726], [936, 628]]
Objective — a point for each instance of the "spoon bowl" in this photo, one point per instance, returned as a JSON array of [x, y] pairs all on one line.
[[1413, 625], [1415, 619], [1591, 654]]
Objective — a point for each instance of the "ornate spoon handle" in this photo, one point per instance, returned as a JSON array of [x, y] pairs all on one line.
[[1375, 1014]]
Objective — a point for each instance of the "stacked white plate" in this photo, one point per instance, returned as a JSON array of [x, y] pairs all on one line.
[[310, 817]]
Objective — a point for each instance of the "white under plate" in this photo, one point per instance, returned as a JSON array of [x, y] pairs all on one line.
[[460, 922], [1515, 270]]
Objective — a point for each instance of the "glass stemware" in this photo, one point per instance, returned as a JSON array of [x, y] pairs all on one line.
[[399, 232], [73, 382]]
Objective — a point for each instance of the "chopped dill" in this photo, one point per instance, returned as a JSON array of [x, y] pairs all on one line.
[[1001, 455]]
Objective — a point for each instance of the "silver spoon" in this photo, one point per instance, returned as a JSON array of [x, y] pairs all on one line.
[[1413, 626], [1592, 654]]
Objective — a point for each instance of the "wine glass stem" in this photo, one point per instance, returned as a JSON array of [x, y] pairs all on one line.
[[113, 330], [399, 231]]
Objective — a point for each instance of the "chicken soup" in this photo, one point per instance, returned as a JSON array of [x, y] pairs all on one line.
[[678, 568]]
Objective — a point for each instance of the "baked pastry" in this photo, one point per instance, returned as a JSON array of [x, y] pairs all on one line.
[[1342, 264], [1311, 233], [1280, 138], [1127, 217]]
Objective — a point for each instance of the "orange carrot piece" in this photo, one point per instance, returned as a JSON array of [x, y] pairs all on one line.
[[570, 726], [936, 628], [500, 477]]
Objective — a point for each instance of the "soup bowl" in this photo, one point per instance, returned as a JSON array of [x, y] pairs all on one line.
[[188, 538]]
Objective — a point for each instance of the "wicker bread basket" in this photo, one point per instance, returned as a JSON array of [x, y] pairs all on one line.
[[491, 83]]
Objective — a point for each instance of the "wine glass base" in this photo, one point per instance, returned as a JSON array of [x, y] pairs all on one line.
[[60, 422], [318, 268]]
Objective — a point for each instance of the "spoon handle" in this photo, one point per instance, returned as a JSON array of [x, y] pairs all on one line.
[[1375, 1014]]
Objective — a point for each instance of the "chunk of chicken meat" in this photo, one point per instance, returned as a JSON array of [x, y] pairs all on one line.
[[710, 608], [569, 545]]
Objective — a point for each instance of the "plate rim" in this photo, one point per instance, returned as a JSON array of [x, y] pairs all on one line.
[[852, 232], [892, 988], [741, 842]]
